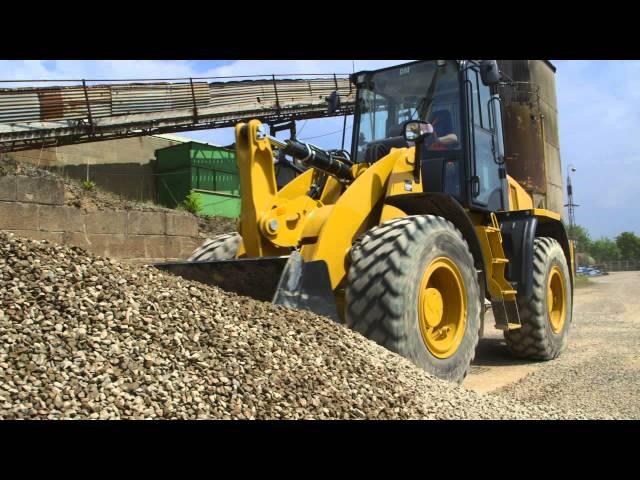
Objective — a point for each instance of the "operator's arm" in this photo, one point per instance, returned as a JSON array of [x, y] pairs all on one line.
[[446, 141], [449, 139]]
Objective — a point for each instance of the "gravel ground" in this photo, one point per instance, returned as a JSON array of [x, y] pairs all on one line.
[[87, 337], [599, 373]]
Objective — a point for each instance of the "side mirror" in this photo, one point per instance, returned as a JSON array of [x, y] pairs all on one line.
[[416, 131], [333, 103], [489, 72]]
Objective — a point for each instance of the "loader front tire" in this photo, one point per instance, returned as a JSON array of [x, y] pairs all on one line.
[[413, 288], [220, 247], [546, 315]]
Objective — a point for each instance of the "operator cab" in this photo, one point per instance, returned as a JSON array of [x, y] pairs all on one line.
[[465, 158]]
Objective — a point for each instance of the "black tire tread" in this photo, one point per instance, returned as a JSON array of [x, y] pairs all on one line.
[[374, 292], [534, 340], [220, 247]]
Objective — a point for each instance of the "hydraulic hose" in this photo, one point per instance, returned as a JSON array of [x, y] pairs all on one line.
[[312, 156]]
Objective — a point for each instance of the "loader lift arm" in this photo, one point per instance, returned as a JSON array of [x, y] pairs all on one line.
[[302, 242], [322, 230]]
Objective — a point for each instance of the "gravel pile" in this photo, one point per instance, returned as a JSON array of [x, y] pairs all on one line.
[[9, 166], [87, 337], [77, 196], [211, 226]]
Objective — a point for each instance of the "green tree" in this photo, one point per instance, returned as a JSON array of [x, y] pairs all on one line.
[[604, 250], [580, 236], [629, 245]]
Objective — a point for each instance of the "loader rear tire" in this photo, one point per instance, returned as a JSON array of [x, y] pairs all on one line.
[[397, 270], [220, 247], [546, 316]]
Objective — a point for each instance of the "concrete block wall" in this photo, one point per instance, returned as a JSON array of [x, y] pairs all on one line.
[[123, 167], [34, 208]]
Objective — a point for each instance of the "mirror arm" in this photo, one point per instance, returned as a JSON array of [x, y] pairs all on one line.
[[467, 64], [417, 161]]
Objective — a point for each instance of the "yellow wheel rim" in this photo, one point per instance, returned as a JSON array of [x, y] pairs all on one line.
[[442, 307], [556, 295]]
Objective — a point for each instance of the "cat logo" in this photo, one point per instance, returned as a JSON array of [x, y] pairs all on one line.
[[405, 70]]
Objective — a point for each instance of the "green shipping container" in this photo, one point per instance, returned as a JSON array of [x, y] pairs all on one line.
[[212, 172]]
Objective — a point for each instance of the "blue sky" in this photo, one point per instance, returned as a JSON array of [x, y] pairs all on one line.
[[597, 103]]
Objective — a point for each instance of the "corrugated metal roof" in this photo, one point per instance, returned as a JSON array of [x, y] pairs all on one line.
[[196, 142], [60, 115], [174, 138], [28, 105]]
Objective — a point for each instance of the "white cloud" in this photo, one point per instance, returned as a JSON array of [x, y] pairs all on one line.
[[115, 69], [140, 69], [267, 67], [598, 134]]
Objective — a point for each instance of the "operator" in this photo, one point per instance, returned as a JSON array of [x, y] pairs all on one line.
[[444, 137]]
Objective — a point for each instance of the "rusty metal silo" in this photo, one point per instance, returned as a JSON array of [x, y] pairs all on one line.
[[532, 143]]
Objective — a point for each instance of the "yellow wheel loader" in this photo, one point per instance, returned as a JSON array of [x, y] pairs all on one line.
[[403, 238]]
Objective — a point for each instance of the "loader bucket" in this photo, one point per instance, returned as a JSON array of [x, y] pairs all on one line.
[[287, 281]]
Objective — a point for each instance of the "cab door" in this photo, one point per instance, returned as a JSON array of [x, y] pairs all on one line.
[[488, 185]]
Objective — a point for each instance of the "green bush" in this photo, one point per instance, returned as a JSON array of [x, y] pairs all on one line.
[[89, 186], [191, 203]]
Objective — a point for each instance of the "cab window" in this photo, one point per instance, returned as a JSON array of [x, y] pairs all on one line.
[[488, 189]]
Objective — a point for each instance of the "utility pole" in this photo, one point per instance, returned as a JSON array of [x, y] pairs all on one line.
[[570, 204]]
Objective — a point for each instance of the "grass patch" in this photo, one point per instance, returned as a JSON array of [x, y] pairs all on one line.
[[89, 186], [191, 203], [582, 281]]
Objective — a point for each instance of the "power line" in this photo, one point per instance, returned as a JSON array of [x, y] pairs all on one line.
[[303, 125], [325, 134]]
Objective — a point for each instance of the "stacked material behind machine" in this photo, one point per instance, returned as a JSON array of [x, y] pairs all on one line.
[[532, 142]]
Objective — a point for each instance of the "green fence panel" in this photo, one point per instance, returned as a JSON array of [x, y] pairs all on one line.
[[173, 187], [174, 157], [219, 205], [211, 170]]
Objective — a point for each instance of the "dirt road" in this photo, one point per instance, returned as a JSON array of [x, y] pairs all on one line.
[[600, 370]]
